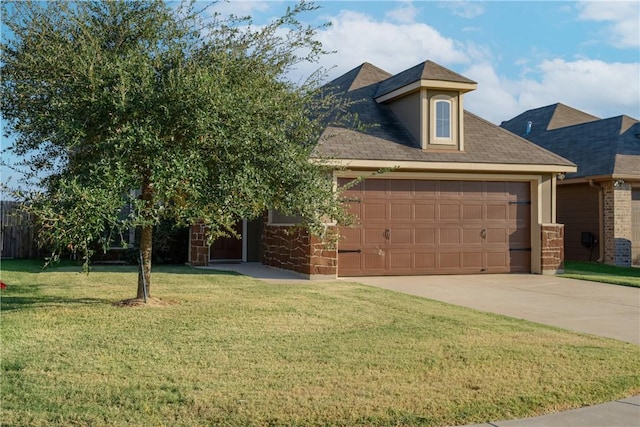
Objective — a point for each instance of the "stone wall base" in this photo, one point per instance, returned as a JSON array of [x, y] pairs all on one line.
[[198, 249], [294, 249], [552, 245]]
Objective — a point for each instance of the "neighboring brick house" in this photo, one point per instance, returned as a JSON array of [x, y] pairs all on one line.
[[600, 203], [463, 196]]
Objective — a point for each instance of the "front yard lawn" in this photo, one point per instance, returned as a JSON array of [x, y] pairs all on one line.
[[627, 276], [229, 350]]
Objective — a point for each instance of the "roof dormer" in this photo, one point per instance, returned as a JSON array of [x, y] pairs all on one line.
[[428, 99]]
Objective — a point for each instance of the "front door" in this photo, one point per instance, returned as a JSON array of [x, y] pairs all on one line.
[[228, 248]]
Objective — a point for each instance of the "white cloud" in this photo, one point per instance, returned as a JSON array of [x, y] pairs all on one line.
[[358, 38], [624, 30], [596, 87], [405, 14], [464, 9]]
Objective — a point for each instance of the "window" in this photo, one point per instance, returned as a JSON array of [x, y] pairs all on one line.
[[443, 119]]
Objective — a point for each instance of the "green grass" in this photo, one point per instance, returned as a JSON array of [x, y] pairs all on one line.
[[626, 276], [229, 350]]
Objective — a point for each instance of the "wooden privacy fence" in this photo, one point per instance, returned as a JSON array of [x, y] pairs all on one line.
[[17, 232]]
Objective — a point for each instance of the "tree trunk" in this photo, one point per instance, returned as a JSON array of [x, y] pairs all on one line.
[[144, 272], [146, 241]]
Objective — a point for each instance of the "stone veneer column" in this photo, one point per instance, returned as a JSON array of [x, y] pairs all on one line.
[[617, 223], [294, 249], [552, 246], [198, 249]]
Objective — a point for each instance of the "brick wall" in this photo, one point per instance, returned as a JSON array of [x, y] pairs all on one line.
[[295, 249], [552, 246], [617, 223], [198, 249]]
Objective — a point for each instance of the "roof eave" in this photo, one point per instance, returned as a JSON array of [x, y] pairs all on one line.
[[461, 87], [449, 166]]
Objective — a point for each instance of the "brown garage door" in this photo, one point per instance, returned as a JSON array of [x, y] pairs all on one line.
[[436, 227]]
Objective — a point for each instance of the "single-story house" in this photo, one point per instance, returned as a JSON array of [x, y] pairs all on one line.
[[463, 196], [600, 203]]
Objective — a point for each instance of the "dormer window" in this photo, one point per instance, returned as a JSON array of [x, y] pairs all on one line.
[[442, 116], [428, 100], [443, 120]]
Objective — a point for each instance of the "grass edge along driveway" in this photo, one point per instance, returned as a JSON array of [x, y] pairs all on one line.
[[229, 350], [598, 272]]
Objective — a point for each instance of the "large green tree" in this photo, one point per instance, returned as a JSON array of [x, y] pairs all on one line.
[[192, 110]]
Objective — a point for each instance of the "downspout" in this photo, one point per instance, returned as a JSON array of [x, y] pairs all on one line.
[[600, 220]]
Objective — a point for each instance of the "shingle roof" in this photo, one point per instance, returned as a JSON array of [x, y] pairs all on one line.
[[600, 147], [564, 116], [382, 136], [427, 70]]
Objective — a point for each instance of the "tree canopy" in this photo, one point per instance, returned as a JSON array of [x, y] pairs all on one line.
[[194, 110]]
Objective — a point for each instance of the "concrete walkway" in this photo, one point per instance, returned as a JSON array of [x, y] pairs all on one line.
[[595, 308]]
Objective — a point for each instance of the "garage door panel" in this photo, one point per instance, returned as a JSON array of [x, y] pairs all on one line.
[[374, 260], [351, 262], [498, 262], [450, 189], [450, 236], [350, 236], [400, 211], [449, 211], [451, 261], [375, 187], [425, 236], [374, 211], [519, 261], [401, 260], [496, 189], [374, 236], [472, 235], [425, 189], [472, 211], [472, 190], [521, 213], [425, 261], [400, 187], [497, 236], [473, 260], [498, 212], [519, 238], [425, 212], [519, 191], [401, 236], [437, 227]]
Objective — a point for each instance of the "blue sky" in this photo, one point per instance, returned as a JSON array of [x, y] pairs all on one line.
[[523, 54]]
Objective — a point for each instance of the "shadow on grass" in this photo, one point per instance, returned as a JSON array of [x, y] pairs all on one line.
[[19, 302], [66, 266]]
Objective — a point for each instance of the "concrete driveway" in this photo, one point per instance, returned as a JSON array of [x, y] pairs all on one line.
[[595, 308]]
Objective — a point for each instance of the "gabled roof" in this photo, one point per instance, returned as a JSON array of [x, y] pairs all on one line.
[[428, 71], [600, 147], [381, 136]]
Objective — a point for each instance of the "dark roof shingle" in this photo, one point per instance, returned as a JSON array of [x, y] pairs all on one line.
[[600, 147]]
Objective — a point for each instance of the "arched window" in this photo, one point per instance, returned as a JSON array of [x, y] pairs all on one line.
[[443, 119]]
